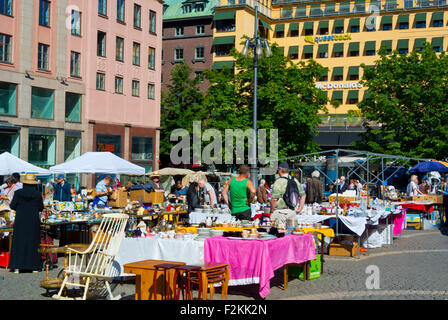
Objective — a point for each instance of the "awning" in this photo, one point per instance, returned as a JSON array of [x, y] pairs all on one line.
[[353, 46], [220, 64], [224, 15], [8, 127], [370, 45], [353, 71], [279, 27], [339, 23], [293, 50], [354, 22], [338, 47], [420, 17], [403, 18], [308, 48], [419, 43], [322, 48], [437, 42], [403, 44], [353, 94], [308, 25], [323, 24], [265, 24], [337, 95], [10, 164], [386, 20], [294, 26], [338, 71], [437, 16], [224, 40], [387, 44]]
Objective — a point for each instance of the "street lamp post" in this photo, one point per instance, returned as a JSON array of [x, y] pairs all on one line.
[[257, 44]]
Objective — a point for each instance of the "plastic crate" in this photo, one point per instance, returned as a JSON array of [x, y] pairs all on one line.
[[4, 259]]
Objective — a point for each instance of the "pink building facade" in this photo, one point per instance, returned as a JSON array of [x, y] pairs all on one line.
[[78, 76]]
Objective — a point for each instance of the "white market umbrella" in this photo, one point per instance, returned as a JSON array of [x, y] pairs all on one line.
[[10, 164], [98, 162], [172, 172]]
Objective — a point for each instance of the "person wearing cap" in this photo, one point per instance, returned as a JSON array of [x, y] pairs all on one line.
[[279, 210], [155, 182], [62, 190], [27, 202]]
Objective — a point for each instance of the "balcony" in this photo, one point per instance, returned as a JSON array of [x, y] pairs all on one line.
[[262, 9]]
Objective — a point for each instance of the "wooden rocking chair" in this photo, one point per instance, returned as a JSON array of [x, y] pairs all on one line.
[[100, 255]]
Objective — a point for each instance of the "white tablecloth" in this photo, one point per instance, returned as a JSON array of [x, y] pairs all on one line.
[[137, 249], [198, 217], [355, 224]]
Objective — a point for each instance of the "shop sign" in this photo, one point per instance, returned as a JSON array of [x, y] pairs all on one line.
[[332, 37], [106, 147], [339, 85]]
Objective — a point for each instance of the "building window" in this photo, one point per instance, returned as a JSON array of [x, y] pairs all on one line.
[[119, 52], [100, 81], [42, 58], [353, 77], [8, 96], [199, 7], [408, 4], [199, 53], [72, 145], [151, 58], [200, 29], [338, 78], [42, 147], [178, 54], [137, 16], [6, 7], [179, 31], [76, 23], [354, 53], [136, 54], [120, 10], [279, 34], [42, 101], [294, 33], [352, 101], [338, 54], [142, 149], [109, 142], [151, 91], [308, 55], [102, 7], [119, 85], [44, 12], [437, 23], [225, 25], [186, 8], [135, 88], [403, 25], [403, 51], [5, 48], [101, 44], [421, 24], [354, 29], [370, 52], [72, 107], [199, 75], [152, 21], [387, 26], [75, 64], [10, 142]]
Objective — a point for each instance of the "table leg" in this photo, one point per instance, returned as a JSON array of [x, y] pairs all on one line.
[[285, 277], [322, 254], [359, 247]]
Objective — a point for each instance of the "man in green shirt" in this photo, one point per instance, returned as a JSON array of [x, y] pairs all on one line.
[[242, 192], [279, 210]]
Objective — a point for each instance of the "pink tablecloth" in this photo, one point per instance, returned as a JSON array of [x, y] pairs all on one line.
[[254, 261]]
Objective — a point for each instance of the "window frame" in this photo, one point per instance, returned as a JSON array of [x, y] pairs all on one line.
[[153, 96], [44, 57], [152, 22], [137, 15], [72, 64], [117, 58], [4, 52], [80, 24], [98, 44], [120, 86], [6, 6], [121, 12], [176, 54], [45, 15], [137, 88], [200, 26], [151, 62], [196, 57], [179, 29], [103, 81], [136, 54], [102, 4]]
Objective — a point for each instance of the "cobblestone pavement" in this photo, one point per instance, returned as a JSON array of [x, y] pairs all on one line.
[[414, 267]]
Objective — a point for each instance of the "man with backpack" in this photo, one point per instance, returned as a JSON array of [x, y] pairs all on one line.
[[288, 197]]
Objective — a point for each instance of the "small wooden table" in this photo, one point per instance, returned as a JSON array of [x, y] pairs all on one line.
[[144, 271]]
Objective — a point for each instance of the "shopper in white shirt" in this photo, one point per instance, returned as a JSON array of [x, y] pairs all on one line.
[[412, 189]]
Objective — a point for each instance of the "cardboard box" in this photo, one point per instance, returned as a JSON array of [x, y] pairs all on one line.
[[342, 199], [118, 199], [344, 250], [143, 195], [438, 199]]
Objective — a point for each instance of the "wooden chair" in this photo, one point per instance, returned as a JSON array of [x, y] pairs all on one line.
[[100, 254], [209, 275]]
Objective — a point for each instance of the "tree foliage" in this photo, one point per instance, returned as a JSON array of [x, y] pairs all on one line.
[[287, 99], [407, 111]]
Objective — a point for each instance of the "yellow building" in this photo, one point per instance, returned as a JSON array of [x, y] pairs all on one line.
[[339, 35]]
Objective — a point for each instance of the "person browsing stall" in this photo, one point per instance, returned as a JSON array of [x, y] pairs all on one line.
[[102, 191], [412, 188], [193, 201], [62, 190], [209, 193], [11, 188], [279, 209], [261, 192], [155, 182], [314, 189], [242, 192], [181, 191]]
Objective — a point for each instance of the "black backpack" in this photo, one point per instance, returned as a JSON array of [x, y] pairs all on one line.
[[291, 195]]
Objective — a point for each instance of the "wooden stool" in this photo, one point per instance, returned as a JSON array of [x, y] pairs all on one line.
[[306, 272], [162, 267], [209, 275], [186, 290]]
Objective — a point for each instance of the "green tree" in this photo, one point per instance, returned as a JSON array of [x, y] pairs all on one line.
[[287, 99], [407, 111], [181, 105]]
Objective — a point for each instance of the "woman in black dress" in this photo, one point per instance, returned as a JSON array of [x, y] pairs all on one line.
[[193, 197], [27, 203]]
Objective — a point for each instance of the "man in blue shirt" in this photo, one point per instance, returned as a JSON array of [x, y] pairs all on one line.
[[102, 191], [62, 190], [181, 191]]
